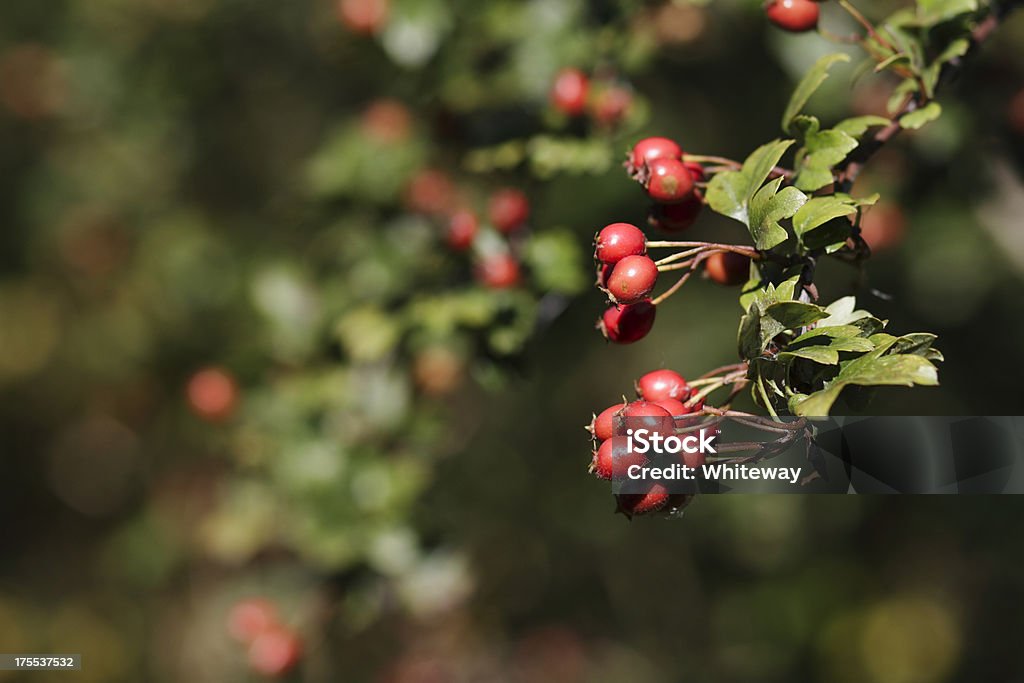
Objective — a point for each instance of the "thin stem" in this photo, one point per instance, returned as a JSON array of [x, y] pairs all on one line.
[[764, 397], [678, 256], [868, 26], [675, 266], [673, 289]]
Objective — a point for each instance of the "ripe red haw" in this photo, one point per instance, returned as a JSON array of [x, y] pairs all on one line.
[[632, 279], [669, 181], [498, 271], [462, 229], [659, 385], [649, 149], [675, 407], [508, 209], [631, 504], [614, 454], [677, 217], [617, 241], [569, 92], [728, 268], [275, 652], [212, 394], [796, 16], [628, 323], [603, 425]]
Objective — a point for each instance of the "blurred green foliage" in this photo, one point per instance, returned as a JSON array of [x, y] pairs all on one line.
[[200, 183]]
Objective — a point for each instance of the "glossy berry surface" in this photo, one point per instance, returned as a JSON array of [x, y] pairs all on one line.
[[728, 268], [674, 406], [649, 149], [617, 241], [614, 455], [658, 385], [498, 271], [462, 230], [275, 652], [796, 16], [508, 209], [668, 181], [629, 323], [673, 218], [632, 279], [631, 504], [251, 617], [569, 92], [604, 423]]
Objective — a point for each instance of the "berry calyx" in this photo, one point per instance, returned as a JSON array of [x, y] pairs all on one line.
[[363, 16], [603, 425], [668, 181], [631, 504], [795, 16], [275, 652], [212, 394], [728, 268], [617, 241], [632, 279], [614, 454], [508, 209], [649, 149], [569, 92], [659, 385], [674, 218], [628, 323], [462, 229], [251, 617], [498, 271]]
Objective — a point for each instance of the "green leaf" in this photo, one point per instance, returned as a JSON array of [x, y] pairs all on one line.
[[760, 163], [794, 314], [890, 60], [820, 210], [918, 118], [935, 11], [811, 81], [767, 208], [899, 94], [732, 193], [852, 345], [727, 195], [870, 371], [825, 335], [858, 125], [818, 354], [821, 152]]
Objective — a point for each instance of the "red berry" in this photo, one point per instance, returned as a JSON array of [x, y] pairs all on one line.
[[696, 170], [508, 209], [674, 406], [617, 241], [795, 16], [604, 271], [669, 181], [614, 454], [677, 217], [462, 229], [658, 385], [728, 268], [275, 652], [649, 149], [611, 104], [569, 92], [643, 414], [498, 271], [632, 279], [642, 503], [625, 324], [212, 394], [363, 16], [251, 617], [604, 424]]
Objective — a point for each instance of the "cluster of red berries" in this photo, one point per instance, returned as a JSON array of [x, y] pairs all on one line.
[[664, 397], [273, 647], [433, 193], [574, 94], [796, 16], [657, 163], [628, 275]]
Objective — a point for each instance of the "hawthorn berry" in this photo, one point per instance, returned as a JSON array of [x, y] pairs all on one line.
[[603, 426], [363, 16], [632, 279], [631, 504], [617, 241], [212, 394], [569, 92], [275, 651], [628, 323], [251, 617], [508, 209], [795, 16], [677, 217], [611, 104], [659, 385], [498, 271], [643, 414], [696, 170], [668, 181], [462, 229], [614, 454], [727, 268], [604, 271], [649, 149], [675, 407]]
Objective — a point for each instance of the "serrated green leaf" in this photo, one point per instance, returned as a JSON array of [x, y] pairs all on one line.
[[856, 126], [794, 314], [918, 118], [870, 371], [821, 152], [767, 208], [758, 166], [824, 335], [820, 210], [852, 345], [818, 354], [811, 81]]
